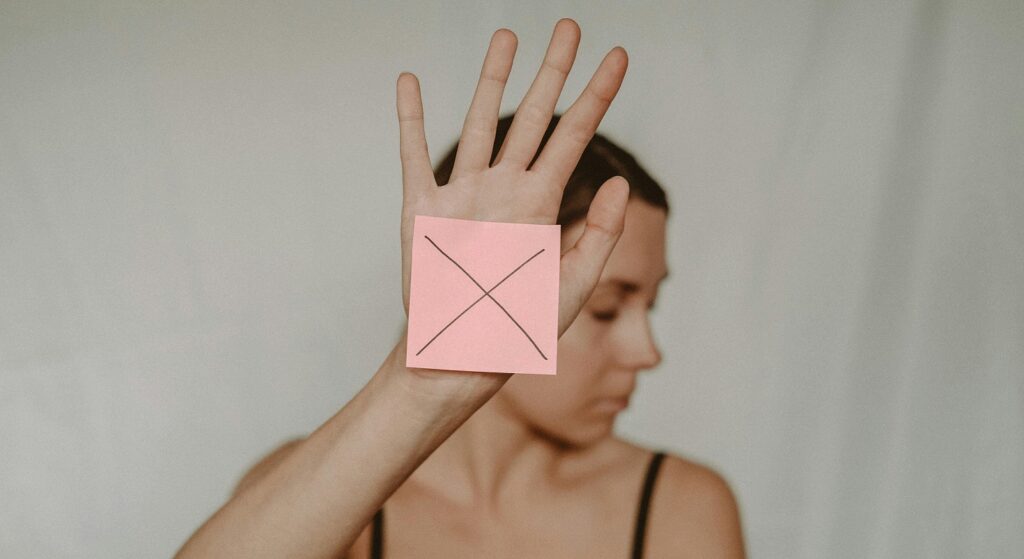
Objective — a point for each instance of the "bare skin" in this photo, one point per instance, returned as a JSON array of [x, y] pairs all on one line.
[[533, 471], [537, 472], [493, 488]]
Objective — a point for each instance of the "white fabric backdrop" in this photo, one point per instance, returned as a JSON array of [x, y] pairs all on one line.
[[199, 252]]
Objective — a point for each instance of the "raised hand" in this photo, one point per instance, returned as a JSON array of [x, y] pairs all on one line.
[[511, 190]]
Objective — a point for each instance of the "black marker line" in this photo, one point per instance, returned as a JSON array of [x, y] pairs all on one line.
[[487, 293]]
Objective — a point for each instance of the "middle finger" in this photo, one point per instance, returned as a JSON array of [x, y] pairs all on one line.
[[534, 113], [477, 140]]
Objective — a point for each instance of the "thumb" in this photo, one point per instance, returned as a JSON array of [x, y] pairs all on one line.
[[582, 264]]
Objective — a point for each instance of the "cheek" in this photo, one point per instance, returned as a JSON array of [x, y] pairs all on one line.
[[583, 349], [560, 403], [543, 401]]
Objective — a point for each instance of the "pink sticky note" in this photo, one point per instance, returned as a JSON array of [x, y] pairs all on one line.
[[483, 296]]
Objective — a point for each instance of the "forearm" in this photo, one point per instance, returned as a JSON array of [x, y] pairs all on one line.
[[318, 499]]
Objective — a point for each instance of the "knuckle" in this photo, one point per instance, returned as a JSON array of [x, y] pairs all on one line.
[[599, 97], [553, 67], [494, 78], [534, 114], [579, 135]]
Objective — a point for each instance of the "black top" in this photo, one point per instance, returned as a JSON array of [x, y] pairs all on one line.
[[377, 534]]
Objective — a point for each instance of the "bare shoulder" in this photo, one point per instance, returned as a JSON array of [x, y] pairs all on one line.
[[693, 512], [699, 515], [266, 464]]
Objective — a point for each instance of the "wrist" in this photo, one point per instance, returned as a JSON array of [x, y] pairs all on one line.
[[441, 385]]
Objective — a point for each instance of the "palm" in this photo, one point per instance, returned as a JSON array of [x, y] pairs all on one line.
[[508, 191]]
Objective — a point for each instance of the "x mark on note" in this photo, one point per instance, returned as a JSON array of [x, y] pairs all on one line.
[[486, 295], [455, 326]]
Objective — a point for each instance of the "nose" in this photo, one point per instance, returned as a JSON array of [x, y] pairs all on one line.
[[641, 351]]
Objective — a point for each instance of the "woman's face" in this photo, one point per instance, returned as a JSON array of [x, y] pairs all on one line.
[[610, 342]]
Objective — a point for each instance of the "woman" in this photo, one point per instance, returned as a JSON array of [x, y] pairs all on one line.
[[533, 470]]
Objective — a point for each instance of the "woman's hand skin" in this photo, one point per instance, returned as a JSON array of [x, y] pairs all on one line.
[[508, 191], [314, 499]]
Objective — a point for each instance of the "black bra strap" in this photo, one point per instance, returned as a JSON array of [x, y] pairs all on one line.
[[645, 504], [377, 535]]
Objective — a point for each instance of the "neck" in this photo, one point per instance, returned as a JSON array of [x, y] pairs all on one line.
[[493, 457]]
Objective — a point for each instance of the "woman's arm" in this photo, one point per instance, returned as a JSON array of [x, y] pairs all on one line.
[[316, 501], [265, 465]]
